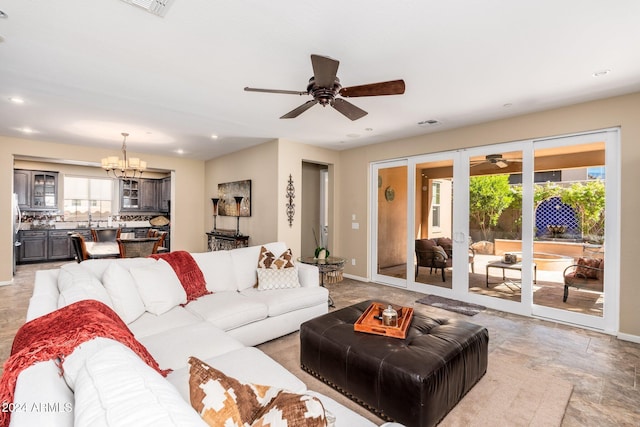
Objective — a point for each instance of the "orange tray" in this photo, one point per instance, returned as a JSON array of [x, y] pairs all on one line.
[[369, 324]]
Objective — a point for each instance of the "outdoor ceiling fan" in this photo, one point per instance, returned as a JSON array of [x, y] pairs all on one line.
[[324, 86], [495, 159]]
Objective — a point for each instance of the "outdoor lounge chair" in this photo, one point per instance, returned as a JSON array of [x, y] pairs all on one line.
[[586, 273]]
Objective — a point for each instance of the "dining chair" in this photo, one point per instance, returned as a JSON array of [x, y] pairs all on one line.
[[79, 247], [152, 232], [133, 248], [105, 234]]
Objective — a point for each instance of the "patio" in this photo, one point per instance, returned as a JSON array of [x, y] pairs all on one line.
[[547, 291]]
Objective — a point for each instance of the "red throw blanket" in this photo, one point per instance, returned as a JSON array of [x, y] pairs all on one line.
[[56, 335], [187, 271]]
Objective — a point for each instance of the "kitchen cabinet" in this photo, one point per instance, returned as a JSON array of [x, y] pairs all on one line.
[[165, 196], [22, 187], [36, 190], [143, 195], [149, 197], [59, 245], [129, 195], [34, 245]]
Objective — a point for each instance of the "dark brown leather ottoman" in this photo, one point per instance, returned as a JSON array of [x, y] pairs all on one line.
[[415, 381]]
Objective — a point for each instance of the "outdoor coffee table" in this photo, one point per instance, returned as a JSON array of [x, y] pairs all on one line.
[[506, 266], [415, 380]]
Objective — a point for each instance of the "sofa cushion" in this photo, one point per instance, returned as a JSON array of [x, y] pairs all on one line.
[[123, 292], [286, 300], [76, 284], [41, 385], [159, 287], [150, 324], [270, 278], [72, 364], [228, 310], [244, 261], [217, 270], [116, 388], [172, 348]]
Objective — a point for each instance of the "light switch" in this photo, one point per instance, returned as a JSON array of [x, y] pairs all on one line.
[[353, 217], [355, 225]]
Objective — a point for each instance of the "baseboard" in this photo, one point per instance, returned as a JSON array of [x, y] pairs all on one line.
[[6, 283], [351, 276], [629, 337]]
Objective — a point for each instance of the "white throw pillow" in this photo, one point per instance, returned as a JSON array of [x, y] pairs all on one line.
[[271, 278], [159, 287], [116, 388], [123, 291], [217, 270], [77, 284]]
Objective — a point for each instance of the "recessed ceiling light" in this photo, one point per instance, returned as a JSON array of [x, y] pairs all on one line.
[[179, 151], [214, 136], [601, 73], [27, 130], [16, 100]]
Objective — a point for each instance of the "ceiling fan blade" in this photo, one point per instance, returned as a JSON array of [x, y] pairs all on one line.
[[286, 92], [324, 70], [299, 110], [394, 87], [501, 164], [348, 109]]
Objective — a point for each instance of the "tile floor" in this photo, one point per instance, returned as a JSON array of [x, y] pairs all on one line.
[[604, 371]]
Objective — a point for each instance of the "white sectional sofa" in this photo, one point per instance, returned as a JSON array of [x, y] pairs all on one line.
[[105, 383]]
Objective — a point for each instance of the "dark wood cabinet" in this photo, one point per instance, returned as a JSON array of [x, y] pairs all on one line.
[[149, 194], [36, 190], [59, 245], [34, 245], [144, 195], [22, 187], [129, 195], [165, 195]]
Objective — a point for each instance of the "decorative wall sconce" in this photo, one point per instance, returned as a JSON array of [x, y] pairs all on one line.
[[291, 207], [215, 211]]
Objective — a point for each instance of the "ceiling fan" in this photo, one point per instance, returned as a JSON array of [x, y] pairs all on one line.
[[324, 86], [495, 159]]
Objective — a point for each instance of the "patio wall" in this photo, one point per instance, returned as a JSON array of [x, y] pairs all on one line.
[[572, 249]]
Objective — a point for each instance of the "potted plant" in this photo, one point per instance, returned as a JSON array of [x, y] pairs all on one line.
[[321, 251]]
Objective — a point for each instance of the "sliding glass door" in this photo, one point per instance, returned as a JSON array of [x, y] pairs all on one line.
[[390, 219], [517, 225]]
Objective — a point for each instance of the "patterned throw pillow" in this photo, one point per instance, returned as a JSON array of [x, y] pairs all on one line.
[[268, 260], [276, 272], [224, 401], [269, 278], [588, 273], [291, 409]]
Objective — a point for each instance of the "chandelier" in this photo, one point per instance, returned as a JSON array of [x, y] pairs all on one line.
[[124, 168]]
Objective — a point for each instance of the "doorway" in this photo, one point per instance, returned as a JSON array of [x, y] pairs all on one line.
[[315, 206]]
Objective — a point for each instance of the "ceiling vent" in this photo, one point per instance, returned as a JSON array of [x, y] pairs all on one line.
[[156, 7], [431, 122]]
